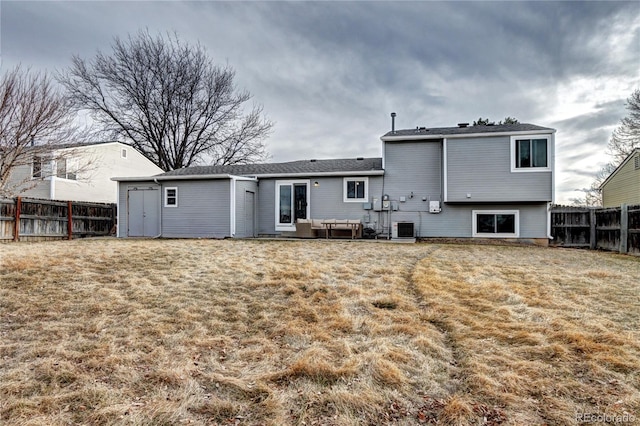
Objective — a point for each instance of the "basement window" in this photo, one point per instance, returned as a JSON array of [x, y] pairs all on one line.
[[171, 197], [356, 189], [496, 223]]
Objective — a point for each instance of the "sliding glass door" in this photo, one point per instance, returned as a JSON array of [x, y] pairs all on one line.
[[292, 203]]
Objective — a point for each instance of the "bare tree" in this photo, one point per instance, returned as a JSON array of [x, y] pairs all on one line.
[[593, 194], [35, 119], [168, 100], [627, 136]]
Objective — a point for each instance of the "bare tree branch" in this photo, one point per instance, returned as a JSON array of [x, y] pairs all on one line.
[[35, 120], [168, 100]]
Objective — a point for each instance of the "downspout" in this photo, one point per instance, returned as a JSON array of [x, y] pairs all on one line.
[[52, 187], [160, 207]]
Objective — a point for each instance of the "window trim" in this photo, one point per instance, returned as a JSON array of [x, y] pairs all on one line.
[[474, 224], [346, 180], [516, 169], [166, 196], [285, 226]]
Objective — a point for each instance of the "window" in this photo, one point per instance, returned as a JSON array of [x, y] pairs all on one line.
[[292, 203], [496, 223], [356, 189], [171, 197], [123, 153], [37, 167], [61, 170], [530, 153]]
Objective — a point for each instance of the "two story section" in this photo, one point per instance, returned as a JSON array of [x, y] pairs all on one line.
[[486, 181]]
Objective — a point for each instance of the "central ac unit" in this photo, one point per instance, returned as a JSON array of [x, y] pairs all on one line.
[[402, 230]]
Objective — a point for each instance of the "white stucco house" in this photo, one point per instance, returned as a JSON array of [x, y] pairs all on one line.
[[82, 172]]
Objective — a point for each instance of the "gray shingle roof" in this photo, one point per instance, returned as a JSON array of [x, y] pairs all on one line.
[[437, 131], [293, 167]]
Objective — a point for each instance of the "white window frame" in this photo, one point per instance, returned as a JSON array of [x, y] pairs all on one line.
[[68, 175], [474, 224], [279, 183], [516, 169], [166, 196], [355, 200]]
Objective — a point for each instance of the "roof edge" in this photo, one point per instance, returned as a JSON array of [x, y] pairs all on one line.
[[398, 138], [620, 166]]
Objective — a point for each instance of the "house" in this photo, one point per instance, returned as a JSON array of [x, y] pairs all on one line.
[[82, 172], [623, 184], [492, 181]]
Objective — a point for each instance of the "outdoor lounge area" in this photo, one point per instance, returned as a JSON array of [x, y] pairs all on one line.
[[329, 228]]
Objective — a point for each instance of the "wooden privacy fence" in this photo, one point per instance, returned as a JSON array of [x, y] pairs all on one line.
[[615, 228], [23, 219]]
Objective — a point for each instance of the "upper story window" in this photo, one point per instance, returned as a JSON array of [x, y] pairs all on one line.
[[62, 171], [530, 153], [36, 167], [356, 189], [171, 197]]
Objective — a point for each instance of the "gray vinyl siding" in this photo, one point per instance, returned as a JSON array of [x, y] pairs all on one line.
[[203, 209], [481, 167], [455, 220], [326, 201], [243, 186], [413, 167]]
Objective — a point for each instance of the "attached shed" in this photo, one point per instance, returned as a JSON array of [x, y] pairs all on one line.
[[209, 206]]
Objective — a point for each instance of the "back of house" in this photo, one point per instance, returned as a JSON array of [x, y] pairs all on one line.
[[493, 181]]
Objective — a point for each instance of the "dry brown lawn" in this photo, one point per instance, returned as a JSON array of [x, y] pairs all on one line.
[[148, 332]]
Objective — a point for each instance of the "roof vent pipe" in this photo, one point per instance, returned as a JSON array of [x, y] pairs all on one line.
[[393, 122]]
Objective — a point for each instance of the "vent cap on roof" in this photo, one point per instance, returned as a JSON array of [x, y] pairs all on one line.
[[313, 160], [360, 158], [463, 125]]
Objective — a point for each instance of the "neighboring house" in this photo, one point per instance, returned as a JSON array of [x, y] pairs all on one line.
[[462, 182], [623, 185], [82, 172]]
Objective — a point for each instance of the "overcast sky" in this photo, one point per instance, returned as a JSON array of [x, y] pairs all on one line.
[[329, 73]]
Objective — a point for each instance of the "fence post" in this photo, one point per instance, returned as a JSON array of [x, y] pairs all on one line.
[[624, 227], [16, 225], [592, 229], [69, 221]]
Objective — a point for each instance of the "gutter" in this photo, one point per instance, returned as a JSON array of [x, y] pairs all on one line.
[[463, 135], [253, 177]]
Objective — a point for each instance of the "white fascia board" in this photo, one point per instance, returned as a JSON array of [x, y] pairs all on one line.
[[175, 177], [617, 169], [249, 178], [321, 174], [463, 135]]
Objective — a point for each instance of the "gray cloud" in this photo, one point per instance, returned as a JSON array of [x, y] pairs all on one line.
[[329, 73]]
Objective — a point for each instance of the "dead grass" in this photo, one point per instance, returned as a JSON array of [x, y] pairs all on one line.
[[314, 332]]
